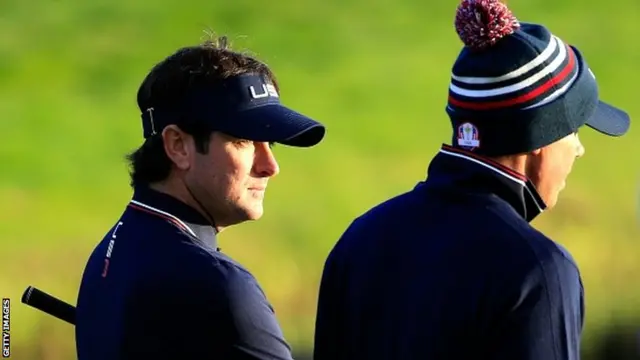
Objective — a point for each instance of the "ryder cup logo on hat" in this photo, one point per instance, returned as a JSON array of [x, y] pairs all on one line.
[[468, 136]]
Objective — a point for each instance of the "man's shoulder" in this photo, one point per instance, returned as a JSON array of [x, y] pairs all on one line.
[[418, 212], [200, 279], [527, 255], [396, 207], [517, 243], [164, 256], [209, 266], [225, 270], [525, 238]]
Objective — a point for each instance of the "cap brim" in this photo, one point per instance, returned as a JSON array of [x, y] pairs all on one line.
[[609, 120], [276, 123]]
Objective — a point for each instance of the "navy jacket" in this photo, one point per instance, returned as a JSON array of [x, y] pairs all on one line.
[[157, 287], [451, 270]]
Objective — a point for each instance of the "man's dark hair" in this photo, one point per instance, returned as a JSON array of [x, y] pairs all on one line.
[[207, 63]]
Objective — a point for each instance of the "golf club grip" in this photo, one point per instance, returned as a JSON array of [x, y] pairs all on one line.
[[49, 304]]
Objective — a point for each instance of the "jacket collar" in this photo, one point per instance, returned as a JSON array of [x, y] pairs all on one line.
[[179, 214], [461, 171]]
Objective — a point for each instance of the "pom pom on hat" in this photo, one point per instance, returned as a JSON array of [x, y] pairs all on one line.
[[481, 23]]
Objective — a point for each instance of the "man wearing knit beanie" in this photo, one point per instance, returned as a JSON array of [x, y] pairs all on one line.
[[453, 269]]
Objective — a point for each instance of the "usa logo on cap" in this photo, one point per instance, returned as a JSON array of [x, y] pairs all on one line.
[[468, 136]]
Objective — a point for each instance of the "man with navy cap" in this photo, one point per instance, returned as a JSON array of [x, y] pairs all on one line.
[[453, 269], [157, 286]]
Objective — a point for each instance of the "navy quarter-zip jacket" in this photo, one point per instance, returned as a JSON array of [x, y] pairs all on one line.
[[156, 287], [451, 270]]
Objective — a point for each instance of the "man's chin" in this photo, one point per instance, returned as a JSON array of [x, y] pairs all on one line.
[[254, 212], [247, 209]]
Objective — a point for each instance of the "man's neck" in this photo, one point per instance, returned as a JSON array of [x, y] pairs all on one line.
[[206, 234], [517, 163], [183, 194]]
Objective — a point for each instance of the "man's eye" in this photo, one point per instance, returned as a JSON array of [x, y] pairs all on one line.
[[243, 143]]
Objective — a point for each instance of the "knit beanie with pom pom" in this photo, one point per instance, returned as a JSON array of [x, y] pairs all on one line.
[[516, 87]]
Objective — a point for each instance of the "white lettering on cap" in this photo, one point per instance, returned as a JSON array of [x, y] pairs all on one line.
[[267, 90]]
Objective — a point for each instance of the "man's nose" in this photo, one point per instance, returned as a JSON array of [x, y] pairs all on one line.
[[265, 161], [581, 150]]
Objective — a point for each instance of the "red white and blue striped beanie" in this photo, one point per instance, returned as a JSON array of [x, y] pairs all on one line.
[[516, 87]]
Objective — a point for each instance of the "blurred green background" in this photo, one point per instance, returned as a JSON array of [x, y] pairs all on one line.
[[376, 72]]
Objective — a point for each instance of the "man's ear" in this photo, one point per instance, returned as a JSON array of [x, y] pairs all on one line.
[[177, 146]]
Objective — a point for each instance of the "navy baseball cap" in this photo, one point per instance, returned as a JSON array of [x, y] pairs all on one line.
[[516, 87], [244, 106]]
